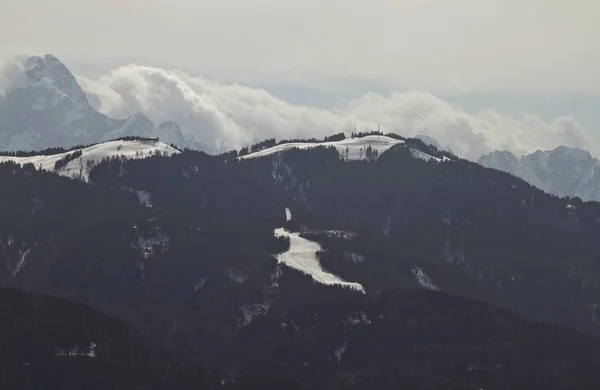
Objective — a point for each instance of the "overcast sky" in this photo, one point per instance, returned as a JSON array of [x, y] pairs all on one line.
[[517, 57], [533, 45]]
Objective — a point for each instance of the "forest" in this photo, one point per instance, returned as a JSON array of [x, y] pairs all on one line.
[[196, 272]]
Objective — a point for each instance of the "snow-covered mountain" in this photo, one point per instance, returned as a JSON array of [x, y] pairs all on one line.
[[43, 106], [78, 163], [429, 140], [357, 148], [563, 171], [350, 148]]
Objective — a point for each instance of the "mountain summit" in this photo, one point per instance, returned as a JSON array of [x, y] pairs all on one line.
[[43, 106], [49, 73], [563, 171]]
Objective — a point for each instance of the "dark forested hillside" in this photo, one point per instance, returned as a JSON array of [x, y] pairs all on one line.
[[50, 343], [473, 231], [413, 339], [183, 248]]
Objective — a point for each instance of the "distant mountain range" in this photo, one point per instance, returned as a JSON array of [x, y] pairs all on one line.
[[44, 107], [563, 171]]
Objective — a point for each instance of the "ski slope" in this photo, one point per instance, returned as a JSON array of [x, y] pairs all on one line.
[[355, 147], [302, 255], [80, 167]]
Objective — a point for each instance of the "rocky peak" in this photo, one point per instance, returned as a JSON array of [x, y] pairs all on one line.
[[49, 72]]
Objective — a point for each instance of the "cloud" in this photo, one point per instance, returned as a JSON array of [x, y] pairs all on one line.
[[219, 116], [13, 75], [12, 67]]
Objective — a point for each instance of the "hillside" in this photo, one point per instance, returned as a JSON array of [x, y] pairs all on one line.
[[51, 343], [288, 266], [77, 163]]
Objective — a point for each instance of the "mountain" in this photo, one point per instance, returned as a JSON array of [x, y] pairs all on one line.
[[300, 265], [78, 162], [563, 171], [361, 147], [44, 107], [429, 140], [169, 132]]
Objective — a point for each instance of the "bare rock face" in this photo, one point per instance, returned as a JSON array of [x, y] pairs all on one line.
[[563, 171]]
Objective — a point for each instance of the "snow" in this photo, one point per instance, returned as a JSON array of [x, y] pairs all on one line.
[[340, 351], [428, 140], [144, 197], [302, 255], [76, 351], [199, 283], [562, 172], [422, 278], [358, 318], [81, 166], [288, 214], [340, 234], [354, 257], [254, 310], [356, 147], [424, 156], [147, 245], [236, 275], [22, 261]]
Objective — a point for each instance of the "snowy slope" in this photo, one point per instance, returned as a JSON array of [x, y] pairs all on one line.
[[355, 147], [563, 171], [427, 157], [80, 167], [302, 255]]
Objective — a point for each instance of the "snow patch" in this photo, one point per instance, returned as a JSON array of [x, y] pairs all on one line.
[[277, 273], [253, 310], [147, 245], [349, 148], [236, 275], [422, 278], [23, 255], [80, 167], [302, 255], [288, 214], [76, 351], [144, 198], [340, 234], [340, 351], [199, 284], [424, 156], [358, 318], [354, 257]]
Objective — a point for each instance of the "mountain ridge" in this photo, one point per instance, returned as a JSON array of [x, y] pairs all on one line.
[[563, 171], [44, 107]]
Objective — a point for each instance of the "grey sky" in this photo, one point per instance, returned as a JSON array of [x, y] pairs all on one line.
[[477, 75], [466, 45]]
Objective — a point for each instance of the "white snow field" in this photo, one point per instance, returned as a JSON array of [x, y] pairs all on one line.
[[80, 167], [302, 256], [427, 157], [356, 147]]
